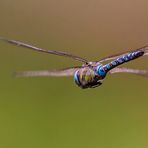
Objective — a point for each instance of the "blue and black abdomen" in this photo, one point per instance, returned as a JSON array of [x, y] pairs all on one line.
[[125, 58]]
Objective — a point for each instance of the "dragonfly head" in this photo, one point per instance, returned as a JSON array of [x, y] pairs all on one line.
[[86, 77]]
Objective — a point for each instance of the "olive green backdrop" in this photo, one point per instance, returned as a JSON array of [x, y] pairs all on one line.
[[54, 112]]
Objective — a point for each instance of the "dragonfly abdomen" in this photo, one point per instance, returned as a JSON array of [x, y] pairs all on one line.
[[125, 58]]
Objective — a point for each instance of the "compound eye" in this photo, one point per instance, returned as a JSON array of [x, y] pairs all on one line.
[[76, 78], [100, 71]]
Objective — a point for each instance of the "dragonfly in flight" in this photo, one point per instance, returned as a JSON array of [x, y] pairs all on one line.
[[90, 74]]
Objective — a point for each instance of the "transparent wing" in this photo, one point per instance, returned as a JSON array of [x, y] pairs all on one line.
[[129, 70], [59, 53], [44, 73], [145, 49]]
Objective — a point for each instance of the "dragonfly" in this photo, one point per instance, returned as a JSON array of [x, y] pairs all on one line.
[[89, 74]]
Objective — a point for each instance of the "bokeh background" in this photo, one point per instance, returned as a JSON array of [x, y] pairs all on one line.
[[54, 112]]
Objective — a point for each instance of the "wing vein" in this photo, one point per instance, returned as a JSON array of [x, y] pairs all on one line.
[[59, 53]]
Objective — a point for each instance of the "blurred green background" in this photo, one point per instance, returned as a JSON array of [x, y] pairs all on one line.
[[54, 112]]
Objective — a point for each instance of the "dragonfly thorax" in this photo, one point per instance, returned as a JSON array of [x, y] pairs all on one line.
[[87, 77]]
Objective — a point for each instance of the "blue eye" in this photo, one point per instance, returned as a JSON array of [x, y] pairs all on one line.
[[101, 71], [76, 79]]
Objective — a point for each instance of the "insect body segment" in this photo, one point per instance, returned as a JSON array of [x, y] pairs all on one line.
[[101, 70], [87, 77], [125, 58]]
